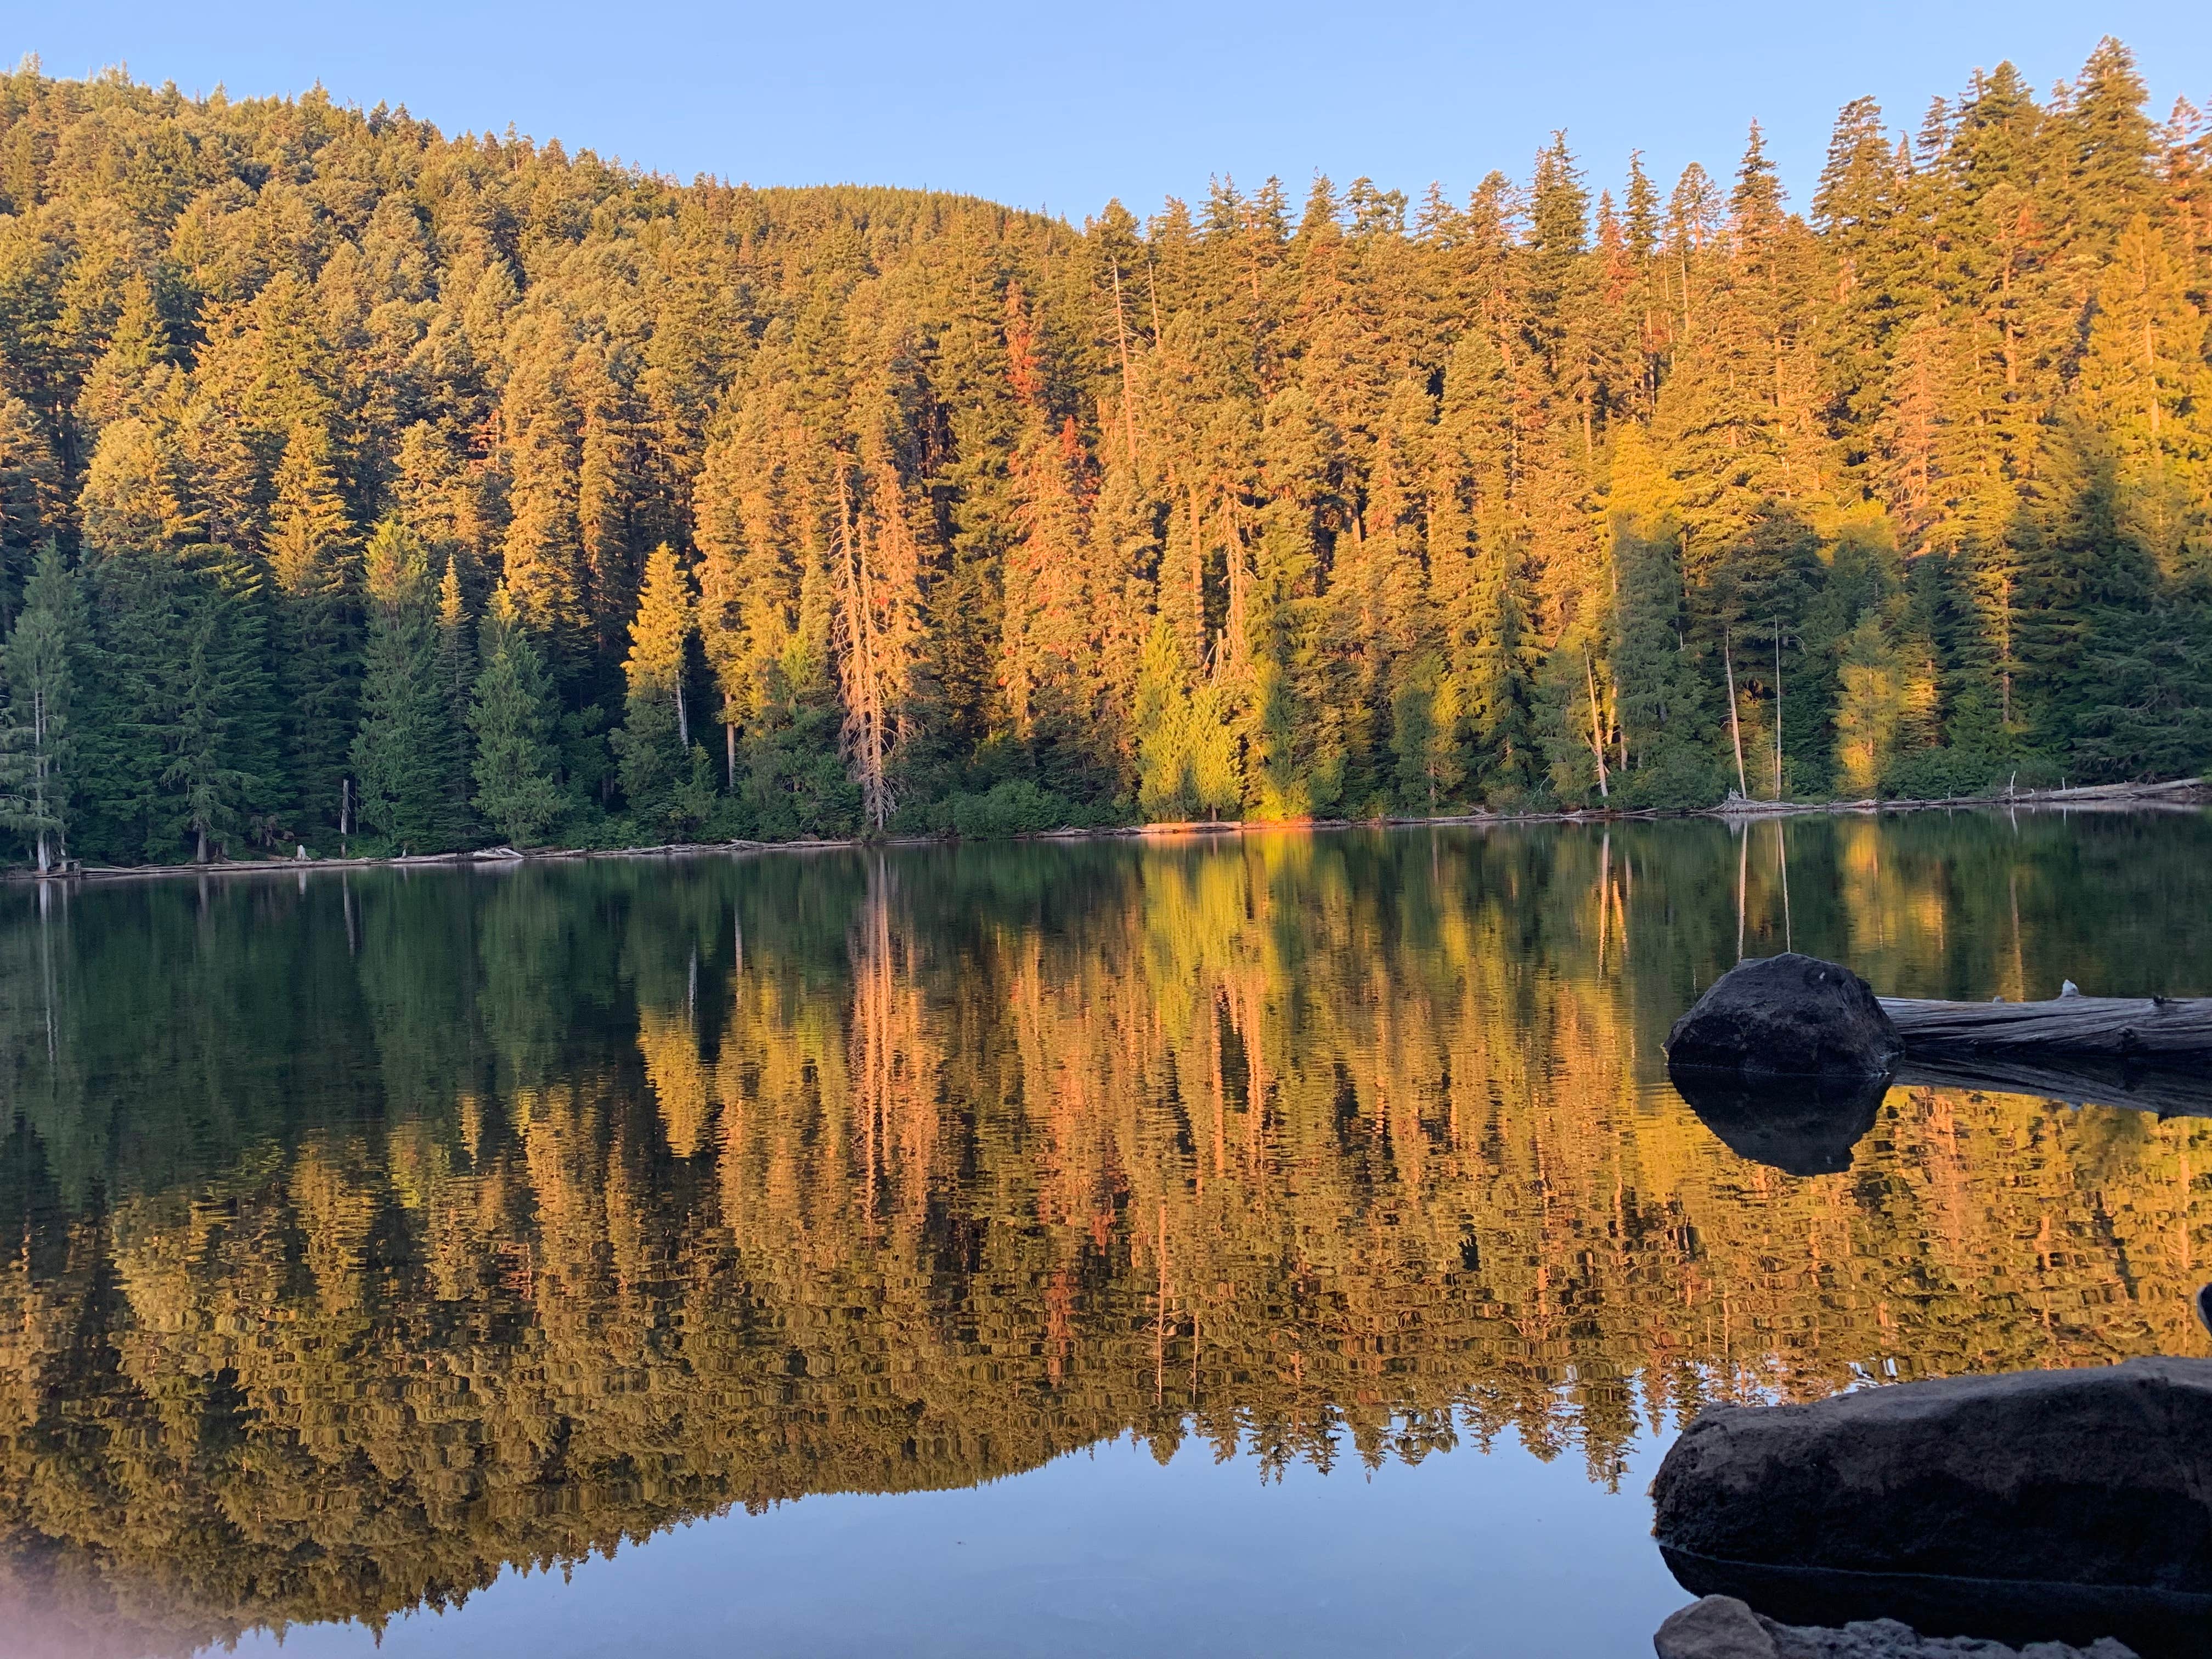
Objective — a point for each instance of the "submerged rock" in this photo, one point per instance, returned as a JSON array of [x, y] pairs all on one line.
[[2073, 1503], [1788, 1015], [1721, 1627], [1714, 1627], [1802, 1126]]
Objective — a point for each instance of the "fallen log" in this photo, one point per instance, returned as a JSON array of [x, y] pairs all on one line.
[[2110, 1027]]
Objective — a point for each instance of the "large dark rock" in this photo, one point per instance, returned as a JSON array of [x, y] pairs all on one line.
[[1803, 1126], [1788, 1015], [2098, 1478]]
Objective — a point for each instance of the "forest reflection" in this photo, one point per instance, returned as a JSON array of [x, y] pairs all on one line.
[[360, 1237]]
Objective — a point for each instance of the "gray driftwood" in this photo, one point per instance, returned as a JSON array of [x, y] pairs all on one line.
[[2116, 1028]]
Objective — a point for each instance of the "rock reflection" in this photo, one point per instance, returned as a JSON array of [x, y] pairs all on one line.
[[357, 1243], [1802, 1126]]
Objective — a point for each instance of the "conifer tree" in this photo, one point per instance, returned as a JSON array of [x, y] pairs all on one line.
[[796, 781], [38, 741], [1424, 713], [878, 627], [30, 498], [512, 721], [654, 745], [178, 730], [1166, 786], [201, 722], [456, 675], [313, 560], [403, 753], [137, 344]]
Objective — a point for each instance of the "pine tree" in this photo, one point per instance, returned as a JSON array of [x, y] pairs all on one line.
[[38, 741], [512, 721], [456, 674], [879, 626], [200, 724], [542, 546], [1166, 787], [139, 342], [2146, 379], [403, 753], [654, 743], [1425, 716], [30, 498], [796, 781], [313, 560], [1871, 709]]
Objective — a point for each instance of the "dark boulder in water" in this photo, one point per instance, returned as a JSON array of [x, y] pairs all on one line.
[[1787, 1016], [1802, 1126], [2079, 1499]]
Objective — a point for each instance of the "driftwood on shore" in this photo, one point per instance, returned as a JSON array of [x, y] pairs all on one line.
[[2176, 792], [2110, 1027]]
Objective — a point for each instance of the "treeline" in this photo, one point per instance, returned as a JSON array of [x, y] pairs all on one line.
[[362, 487]]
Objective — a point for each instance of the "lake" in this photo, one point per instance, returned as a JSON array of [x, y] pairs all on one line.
[[1284, 1244]]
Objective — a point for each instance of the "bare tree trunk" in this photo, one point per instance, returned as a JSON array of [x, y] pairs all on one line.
[[1129, 383], [1597, 731], [730, 755], [864, 690], [1736, 723]]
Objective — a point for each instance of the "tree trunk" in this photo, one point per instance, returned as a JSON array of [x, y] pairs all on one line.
[[1597, 731], [1736, 723]]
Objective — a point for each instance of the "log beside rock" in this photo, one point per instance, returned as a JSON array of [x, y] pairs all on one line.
[[1787, 1015], [2151, 1030]]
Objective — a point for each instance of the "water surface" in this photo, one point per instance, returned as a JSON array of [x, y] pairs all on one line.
[[1280, 1244]]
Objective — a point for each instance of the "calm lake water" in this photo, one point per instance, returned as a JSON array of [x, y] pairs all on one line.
[[1288, 1245]]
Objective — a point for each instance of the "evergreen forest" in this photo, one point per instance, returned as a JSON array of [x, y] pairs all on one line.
[[363, 489]]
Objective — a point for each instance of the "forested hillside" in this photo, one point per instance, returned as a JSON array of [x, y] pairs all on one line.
[[364, 486]]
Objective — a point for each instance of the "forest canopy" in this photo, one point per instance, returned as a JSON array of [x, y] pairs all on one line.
[[365, 487]]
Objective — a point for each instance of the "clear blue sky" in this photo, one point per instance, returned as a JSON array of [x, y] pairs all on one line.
[[1062, 104]]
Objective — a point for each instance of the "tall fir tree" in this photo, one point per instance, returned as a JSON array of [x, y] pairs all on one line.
[[403, 754], [511, 718], [654, 745], [40, 664]]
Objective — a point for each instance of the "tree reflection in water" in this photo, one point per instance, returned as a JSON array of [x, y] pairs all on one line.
[[362, 1236]]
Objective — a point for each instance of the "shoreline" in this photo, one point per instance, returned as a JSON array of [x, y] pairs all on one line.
[[2180, 794]]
